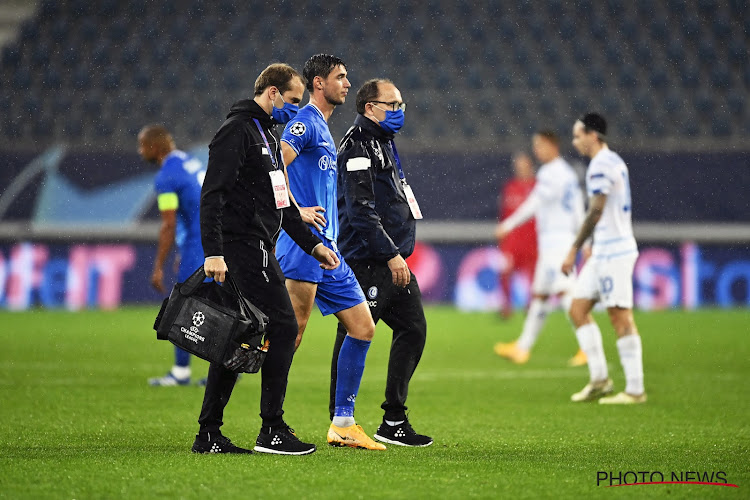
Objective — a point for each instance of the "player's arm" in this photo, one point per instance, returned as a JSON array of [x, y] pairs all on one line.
[[225, 157], [310, 215], [523, 213], [168, 204], [596, 208]]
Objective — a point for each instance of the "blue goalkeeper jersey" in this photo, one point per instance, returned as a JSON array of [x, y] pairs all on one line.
[[183, 175], [312, 175]]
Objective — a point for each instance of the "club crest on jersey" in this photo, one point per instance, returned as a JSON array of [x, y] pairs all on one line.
[[372, 292], [297, 129], [326, 162]]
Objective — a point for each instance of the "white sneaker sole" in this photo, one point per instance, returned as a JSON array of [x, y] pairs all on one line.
[[398, 443], [261, 449]]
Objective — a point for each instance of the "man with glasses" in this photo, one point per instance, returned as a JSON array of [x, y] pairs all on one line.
[[377, 220], [310, 156]]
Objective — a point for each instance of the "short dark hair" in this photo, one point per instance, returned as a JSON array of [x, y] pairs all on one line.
[[594, 122], [368, 92], [155, 133], [278, 75], [549, 135], [320, 65]]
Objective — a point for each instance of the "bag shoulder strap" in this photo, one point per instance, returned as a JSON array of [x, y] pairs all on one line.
[[193, 282], [246, 307]]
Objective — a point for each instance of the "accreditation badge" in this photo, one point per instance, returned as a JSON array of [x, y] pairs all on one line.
[[280, 190], [413, 205]]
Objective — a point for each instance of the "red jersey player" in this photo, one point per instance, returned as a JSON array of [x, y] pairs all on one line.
[[518, 247]]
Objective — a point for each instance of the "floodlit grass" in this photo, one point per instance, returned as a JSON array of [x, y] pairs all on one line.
[[79, 421]]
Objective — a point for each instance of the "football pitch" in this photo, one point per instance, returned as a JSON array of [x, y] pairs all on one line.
[[79, 421]]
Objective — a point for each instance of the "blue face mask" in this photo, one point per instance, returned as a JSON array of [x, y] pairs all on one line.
[[285, 114], [393, 122]]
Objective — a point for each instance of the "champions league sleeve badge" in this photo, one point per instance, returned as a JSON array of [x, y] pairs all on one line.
[[297, 129]]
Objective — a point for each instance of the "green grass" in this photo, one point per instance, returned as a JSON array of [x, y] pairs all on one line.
[[79, 421]]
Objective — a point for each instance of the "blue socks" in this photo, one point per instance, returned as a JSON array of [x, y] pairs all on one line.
[[181, 358], [350, 366]]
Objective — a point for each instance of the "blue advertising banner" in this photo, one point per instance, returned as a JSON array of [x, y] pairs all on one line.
[[95, 275], [83, 187]]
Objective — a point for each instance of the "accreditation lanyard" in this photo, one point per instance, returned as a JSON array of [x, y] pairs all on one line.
[[278, 180], [413, 205]]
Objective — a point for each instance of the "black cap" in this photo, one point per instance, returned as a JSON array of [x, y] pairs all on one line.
[[595, 122]]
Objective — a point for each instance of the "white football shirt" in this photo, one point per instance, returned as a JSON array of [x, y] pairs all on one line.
[[557, 204], [608, 174], [560, 213]]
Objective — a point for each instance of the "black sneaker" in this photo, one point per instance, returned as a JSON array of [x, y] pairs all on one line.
[[216, 443], [402, 435], [281, 441]]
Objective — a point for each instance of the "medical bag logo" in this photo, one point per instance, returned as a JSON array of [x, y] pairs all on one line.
[[192, 334], [198, 318], [372, 292]]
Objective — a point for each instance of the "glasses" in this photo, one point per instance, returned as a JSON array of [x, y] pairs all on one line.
[[394, 105]]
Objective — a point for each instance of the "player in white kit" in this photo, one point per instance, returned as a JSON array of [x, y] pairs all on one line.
[[557, 203], [608, 275]]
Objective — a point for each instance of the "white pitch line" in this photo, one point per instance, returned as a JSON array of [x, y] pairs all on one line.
[[429, 376]]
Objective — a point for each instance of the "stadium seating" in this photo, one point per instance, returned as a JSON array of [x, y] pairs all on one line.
[[97, 71]]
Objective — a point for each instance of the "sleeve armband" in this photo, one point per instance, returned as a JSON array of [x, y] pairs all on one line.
[[167, 201]]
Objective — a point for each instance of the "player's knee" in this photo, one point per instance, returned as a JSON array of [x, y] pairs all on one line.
[[578, 314], [364, 331], [623, 323]]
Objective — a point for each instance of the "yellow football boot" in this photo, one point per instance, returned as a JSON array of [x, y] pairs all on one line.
[[623, 398], [578, 360], [353, 436], [594, 391], [512, 352]]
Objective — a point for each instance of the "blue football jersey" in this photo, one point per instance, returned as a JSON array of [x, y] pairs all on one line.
[[312, 175], [183, 175]]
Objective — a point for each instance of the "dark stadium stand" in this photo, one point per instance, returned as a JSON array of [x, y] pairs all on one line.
[[90, 74]]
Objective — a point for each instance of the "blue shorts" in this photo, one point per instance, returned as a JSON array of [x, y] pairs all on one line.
[[337, 290]]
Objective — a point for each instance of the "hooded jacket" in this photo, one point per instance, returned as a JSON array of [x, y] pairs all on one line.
[[237, 199], [375, 222]]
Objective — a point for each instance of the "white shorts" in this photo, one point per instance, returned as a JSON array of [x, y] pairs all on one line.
[[609, 280], [548, 276]]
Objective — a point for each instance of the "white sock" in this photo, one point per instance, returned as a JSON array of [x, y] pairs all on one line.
[[394, 423], [631, 357], [590, 339], [343, 421], [181, 372], [565, 301], [535, 318]]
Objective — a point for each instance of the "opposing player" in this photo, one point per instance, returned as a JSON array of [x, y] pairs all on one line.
[[556, 203], [309, 153], [519, 247], [178, 188], [608, 275]]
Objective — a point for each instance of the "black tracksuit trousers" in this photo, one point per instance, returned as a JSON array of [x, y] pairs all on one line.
[[401, 309], [254, 268]]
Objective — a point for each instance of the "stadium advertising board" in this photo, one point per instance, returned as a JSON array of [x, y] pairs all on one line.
[[95, 275]]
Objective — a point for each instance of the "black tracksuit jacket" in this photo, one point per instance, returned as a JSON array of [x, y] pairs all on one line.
[[375, 222], [237, 200]]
